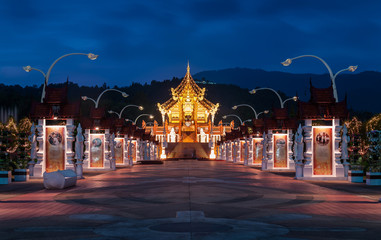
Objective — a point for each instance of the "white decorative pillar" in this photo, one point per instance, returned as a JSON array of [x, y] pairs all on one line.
[[164, 142], [86, 155], [290, 137], [154, 154], [222, 155], [250, 155], [264, 151], [138, 148], [307, 129], [33, 150], [112, 152], [125, 150], [234, 151], [338, 166], [39, 167], [299, 153], [107, 164], [246, 152], [79, 139], [228, 151], [146, 150], [270, 150], [211, 140], [129, 155], [69, 144]]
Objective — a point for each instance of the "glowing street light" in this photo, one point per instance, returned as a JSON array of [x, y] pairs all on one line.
[[28, 68], [333, 77], [232, 115], [84, 98], [247, 105], [294, 98], [120, 113]]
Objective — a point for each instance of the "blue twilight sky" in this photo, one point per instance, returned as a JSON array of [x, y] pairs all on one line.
[[144, 40]]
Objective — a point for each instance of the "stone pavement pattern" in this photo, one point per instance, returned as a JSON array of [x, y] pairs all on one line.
[[190, 199]]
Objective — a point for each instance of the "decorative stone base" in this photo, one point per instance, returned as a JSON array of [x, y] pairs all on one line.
[[279, 170], [373, 178], [324, 178], [21, 175], [5, 177], [355, 176]]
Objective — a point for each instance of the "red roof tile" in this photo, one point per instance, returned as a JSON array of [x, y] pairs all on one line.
[[322, 95]]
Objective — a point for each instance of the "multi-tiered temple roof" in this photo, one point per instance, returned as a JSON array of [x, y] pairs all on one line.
[[322, 105], [188, 89]]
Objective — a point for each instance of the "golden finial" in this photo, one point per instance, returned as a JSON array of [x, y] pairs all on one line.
[[188, 68]]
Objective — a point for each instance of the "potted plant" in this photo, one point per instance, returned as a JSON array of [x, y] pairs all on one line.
[[373, 175], [5, 166], [357, 150], [22, 155], [5, 173]]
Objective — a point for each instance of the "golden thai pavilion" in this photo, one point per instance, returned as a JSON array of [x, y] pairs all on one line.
[[188, 116]]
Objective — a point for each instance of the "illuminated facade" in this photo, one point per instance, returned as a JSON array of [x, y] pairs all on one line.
[[188, 117], [322, 135], [189, 113]]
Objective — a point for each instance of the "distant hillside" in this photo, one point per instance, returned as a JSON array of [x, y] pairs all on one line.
[[361, 97], [362, 89], [147, 95]]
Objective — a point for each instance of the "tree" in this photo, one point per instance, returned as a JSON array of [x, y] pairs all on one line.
[[374, 123], [23, 149]]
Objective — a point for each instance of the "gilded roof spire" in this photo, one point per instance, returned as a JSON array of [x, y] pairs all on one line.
[[188, 76]]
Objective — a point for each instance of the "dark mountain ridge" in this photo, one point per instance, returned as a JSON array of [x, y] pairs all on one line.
[[362, 89]]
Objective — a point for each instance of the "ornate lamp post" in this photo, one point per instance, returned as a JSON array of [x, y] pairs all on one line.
[[28, 68], [295, 98], [332, 76], [100, 95], [247, 105], [121, 112], [164, 143], [211, 142]]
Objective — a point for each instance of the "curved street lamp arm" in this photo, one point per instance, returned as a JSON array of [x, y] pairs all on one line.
[[334, 82], [247, 105], [313, 56], [54, 63], [92, 100], [107, 90], [260, 114], [131, 105], [141, 115], [29, 68], [279, 97], [342, 70], [288, 99], [89, 55], [119, 116], [333, 77]]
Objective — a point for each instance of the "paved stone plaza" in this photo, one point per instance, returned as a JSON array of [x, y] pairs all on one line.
[[190, 199]]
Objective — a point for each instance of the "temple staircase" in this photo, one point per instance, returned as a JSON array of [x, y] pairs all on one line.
[[185, 150]]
